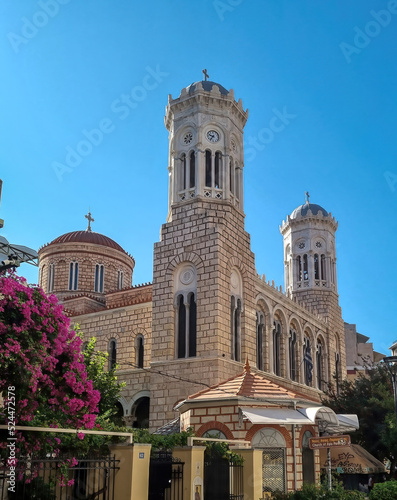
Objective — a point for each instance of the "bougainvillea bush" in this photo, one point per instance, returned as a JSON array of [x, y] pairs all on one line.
[[40, 356]]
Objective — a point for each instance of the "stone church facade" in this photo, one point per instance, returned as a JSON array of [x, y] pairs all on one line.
[[207, 311]]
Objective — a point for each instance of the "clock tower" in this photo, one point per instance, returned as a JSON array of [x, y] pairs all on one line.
[[204, 269]]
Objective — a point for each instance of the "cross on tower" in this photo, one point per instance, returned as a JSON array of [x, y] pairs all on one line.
[[205, 74], [307, 197], [90, 219]]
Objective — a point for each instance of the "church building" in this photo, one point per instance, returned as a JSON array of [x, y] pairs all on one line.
[[210, 340]]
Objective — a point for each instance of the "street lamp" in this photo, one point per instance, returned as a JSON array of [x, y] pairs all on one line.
[[390, 362]]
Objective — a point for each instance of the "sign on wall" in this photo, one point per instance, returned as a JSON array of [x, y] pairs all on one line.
[[329, 441]]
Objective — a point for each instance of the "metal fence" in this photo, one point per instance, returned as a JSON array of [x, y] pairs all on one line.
[[165, 477], [47, 479]]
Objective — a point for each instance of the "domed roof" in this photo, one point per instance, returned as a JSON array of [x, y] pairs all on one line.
[[303, 209], [207, 86], [87, 237]]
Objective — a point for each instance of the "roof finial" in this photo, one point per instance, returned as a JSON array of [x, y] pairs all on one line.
[[90, 219], [307, 197], [205, 74], [247, 367]]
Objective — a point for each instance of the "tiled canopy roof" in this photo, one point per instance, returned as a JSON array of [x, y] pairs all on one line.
[[250, 385]]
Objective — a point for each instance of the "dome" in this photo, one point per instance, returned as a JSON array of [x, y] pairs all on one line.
[[207, 86], [303, 209], [87, 237]]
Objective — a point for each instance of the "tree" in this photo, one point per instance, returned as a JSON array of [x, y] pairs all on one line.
[[43, 377], [370, 397]]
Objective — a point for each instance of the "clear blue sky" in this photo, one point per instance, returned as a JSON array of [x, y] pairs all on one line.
[[331, 65]]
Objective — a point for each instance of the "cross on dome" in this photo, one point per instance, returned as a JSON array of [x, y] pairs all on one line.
[[205, 74], [307, 197], [90, 219]]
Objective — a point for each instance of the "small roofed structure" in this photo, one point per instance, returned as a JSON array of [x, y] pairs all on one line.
[[252, 407]]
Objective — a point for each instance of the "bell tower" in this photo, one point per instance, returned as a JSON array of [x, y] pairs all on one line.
[[310, 273], [206, 156], [204, 270]]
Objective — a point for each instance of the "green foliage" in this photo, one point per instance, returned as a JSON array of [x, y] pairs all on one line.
[[159, 441], [36, 489], [370, 397], [384, 491], [216, 449], [314, 492], [105, 381]]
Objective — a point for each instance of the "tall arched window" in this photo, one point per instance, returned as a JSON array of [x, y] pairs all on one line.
[[51, 277], [120, 279], [231, 176], [299, 267], [236, 328], [186, 311], [73, 275], [292, 354], [337, 372], [260, 330], [316, 267], [192, 170], [236, 181], [112, 351], [320, 367], [139, 349], [305, 268], [208, 168], [323, 267], [307, 361], [187, 335], [218, 172], [99, 275], [183, 172], [277, 348]]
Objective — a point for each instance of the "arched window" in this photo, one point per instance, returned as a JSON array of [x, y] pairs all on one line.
[[139, 349], [260, 330], [277, 348], [192, 172], [99, 274], [292, 352], [307, 362], [186, 330], [338, 377], [51, 277], [112, 351], [323, 267], [73, 275], [231, 176], [308, 468], [184, 173], [208, 168], [218, 173], [299, 267], [316, 267], [274, 464], [236, 181], [120, 279], [320, 366], [305, 268], [236, 328]]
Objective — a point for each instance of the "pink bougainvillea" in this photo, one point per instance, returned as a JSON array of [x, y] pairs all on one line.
[[40, 356]]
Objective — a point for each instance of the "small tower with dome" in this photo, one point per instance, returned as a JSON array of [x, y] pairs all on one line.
[[310, 271], [84, 263]]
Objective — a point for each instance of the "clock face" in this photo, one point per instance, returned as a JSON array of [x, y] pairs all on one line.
[[212, 136]]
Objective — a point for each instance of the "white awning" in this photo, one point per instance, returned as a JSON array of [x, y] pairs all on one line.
[[313, 415]]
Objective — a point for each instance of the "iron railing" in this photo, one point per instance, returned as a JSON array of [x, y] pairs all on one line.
[[48, 479]]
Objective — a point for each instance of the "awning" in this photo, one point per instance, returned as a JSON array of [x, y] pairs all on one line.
[[332, 422], [353, 459]]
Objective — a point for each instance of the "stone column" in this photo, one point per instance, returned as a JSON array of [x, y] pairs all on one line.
[[193, 470]]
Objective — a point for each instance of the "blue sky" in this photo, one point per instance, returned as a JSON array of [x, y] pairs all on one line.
[[66, 66]]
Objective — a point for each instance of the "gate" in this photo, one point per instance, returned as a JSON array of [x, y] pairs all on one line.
[[165, 477], [39, 478], [222, 480]]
